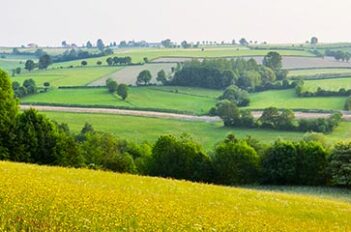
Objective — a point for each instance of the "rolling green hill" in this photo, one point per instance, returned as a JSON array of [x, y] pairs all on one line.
[[39, 198]]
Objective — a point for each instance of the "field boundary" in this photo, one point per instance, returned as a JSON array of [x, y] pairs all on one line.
[[151, 114], [214, 57], [141, 109], [168, 115]]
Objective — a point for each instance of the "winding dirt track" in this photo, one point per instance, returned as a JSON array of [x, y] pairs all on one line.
[[153, 114]]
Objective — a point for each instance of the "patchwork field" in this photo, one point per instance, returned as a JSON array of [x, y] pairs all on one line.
[[156, 98], [128, 75], [311, 72], [289, 62], [329, 84], [288, 99], [39, 198], [66, 77], [138, 55]]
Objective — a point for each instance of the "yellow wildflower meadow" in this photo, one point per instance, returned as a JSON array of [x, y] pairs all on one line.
[[39, 198]]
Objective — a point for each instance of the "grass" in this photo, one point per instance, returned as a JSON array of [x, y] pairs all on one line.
[[140, 129], [40, 198], [311, 72], [138, 55], [288, 99], [66, 77], [329, 84], [128, 75], [138, 97]]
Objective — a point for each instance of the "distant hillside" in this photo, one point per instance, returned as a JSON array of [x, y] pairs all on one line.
[[38, 198]]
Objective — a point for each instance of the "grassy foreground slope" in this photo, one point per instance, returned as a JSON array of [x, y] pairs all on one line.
[[38, 198]]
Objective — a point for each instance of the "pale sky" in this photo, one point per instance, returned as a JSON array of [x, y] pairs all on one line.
[[48, 22]]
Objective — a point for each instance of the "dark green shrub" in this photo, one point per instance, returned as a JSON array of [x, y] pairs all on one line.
[[340, 165], [179, 158], [235, 162], [279, 164], [311, 163]]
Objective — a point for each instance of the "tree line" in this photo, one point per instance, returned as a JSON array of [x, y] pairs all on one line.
[[338, 55], [111, 61], [272, 118], [221, 73]]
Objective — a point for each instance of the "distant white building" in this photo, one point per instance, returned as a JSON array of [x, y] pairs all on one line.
[[32, 45]]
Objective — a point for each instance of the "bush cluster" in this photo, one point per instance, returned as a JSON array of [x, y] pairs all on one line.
[[272, 118], [28, 87], [221, 73]]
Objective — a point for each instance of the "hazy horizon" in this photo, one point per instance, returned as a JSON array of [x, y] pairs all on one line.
[[275, 21]]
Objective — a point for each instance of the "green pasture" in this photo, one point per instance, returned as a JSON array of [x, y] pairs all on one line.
[[329, 84], [138, 55], [311, 72], [141, 129], [66, 77], [128, 74], [156, 98], [288, 99]]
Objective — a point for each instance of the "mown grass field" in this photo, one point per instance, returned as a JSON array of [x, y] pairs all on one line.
[[310, 72], [140, 129], [39, 198], [329, 84], [186, 99], [128, 75], [66, 77], [138, 55], [288, 99]]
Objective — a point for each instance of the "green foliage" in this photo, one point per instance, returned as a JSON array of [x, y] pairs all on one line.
[[44, 61], [235, 162], [279, 164], [315, 137], [340, 164], [347, 105], [36, 138], [29, 65], [111, 85], [161, 77], [144, 77], [235, 94], [273, 60], [311, 163], [228, 112], [179, 158], [8, 112], [29, 87], [269, 118], [122, 91]]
